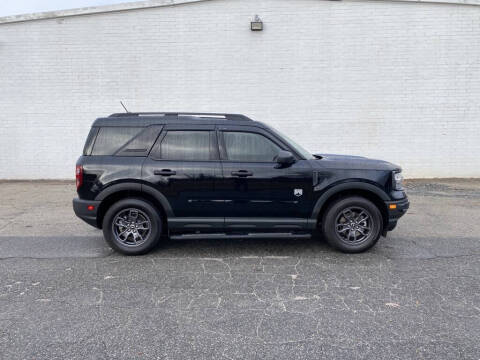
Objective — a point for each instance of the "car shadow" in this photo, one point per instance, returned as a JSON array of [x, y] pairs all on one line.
[[242, 247]]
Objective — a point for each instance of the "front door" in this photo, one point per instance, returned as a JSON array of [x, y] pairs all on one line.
[[184, 166], [257, 192]]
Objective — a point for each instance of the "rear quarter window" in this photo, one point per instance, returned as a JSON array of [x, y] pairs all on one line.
[[110, 139], [142, 143], [87, 149]]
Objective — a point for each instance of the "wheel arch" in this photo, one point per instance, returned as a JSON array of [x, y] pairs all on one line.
[[366, 190], [118, 192]]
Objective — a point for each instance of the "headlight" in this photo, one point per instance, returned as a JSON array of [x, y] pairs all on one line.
[[397, 178]]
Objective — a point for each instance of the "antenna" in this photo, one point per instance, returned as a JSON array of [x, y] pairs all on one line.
[[124, 107]]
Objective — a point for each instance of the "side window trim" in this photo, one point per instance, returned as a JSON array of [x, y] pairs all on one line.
[[221, 145], [223, 148], [155, 151], [214, 153]]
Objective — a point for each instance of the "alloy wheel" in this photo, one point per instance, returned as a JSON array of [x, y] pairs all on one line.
[[131, 227], [354, 225]]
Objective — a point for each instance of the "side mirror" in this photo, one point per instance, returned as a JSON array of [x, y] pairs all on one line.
[[284, 158]]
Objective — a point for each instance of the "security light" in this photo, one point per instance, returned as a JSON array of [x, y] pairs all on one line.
[[256, 24]]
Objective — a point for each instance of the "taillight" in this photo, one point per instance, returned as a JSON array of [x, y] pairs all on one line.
[[79, 175]]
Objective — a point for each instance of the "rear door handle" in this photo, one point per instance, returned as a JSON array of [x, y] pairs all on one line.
[[165, 172], [242, 173]]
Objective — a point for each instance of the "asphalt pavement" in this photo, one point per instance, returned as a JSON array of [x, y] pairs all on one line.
[[64, 294]]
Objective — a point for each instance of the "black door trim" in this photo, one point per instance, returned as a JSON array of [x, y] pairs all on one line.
[[193, 223], [233, 223], [240, 223]]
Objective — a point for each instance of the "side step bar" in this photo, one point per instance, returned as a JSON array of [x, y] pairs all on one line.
[[241, 236]]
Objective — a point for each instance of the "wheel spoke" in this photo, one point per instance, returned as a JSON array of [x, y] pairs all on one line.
[[350, 234], [360, 218], [364, 227], [361, 231], [122, 233], [133, 214], [347, 213], [141, 225], [120, 222]]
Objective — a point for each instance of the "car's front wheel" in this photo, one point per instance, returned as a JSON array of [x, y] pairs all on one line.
[[132, 226], [352, 224]]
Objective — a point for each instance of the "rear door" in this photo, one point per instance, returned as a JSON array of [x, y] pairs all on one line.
[[184, 166]]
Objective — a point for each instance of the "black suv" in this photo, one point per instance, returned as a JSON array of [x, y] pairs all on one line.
[[197, 175]]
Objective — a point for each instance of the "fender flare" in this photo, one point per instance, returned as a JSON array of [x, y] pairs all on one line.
[[160, 198], [112, 189], [351, 185], [142, 188]]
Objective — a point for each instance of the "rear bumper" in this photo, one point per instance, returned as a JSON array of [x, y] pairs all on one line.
[[400, 208], [81, 209]]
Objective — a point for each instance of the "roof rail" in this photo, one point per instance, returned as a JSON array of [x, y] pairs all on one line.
[[237, 117]]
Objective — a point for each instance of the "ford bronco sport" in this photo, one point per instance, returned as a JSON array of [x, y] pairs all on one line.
[[197, 175]]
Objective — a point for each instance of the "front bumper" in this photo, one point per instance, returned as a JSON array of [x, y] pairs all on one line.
[[83, 209], [396, 209]]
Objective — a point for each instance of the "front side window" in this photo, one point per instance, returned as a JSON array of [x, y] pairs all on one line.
[[186, 145], [249, 147], [110, 139], [300, 149]]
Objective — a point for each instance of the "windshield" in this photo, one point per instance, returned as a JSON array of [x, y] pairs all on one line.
[[298, 148]]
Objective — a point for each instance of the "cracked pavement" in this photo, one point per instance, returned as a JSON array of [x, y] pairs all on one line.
[[65, 295]]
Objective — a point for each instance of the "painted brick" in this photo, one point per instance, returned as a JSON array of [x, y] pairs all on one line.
[[393, 80]]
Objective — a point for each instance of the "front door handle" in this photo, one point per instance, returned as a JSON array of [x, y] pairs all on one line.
[[242, 173], [165, 172]]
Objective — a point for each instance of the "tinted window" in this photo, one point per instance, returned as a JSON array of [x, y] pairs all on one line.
[[87, 149], [300, 149], [241, 146], [186, 145], [110, 139], [141, 144]]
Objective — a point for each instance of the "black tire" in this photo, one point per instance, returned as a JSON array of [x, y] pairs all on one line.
[[131, 228], [354, 235]]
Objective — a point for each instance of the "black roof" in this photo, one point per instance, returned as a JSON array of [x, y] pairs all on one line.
[[152, 118]]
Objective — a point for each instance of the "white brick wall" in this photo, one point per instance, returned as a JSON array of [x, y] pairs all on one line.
[[392, 80]]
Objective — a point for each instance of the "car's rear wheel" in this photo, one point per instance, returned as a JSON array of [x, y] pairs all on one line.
[[352, 224], [132, 226]]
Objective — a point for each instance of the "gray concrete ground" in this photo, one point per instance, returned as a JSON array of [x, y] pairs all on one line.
[[65, 295]]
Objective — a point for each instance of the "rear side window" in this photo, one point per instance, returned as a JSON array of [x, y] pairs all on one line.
[[87, 149], [141, 145], [249, 147], [185, 145], [110, 139]]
